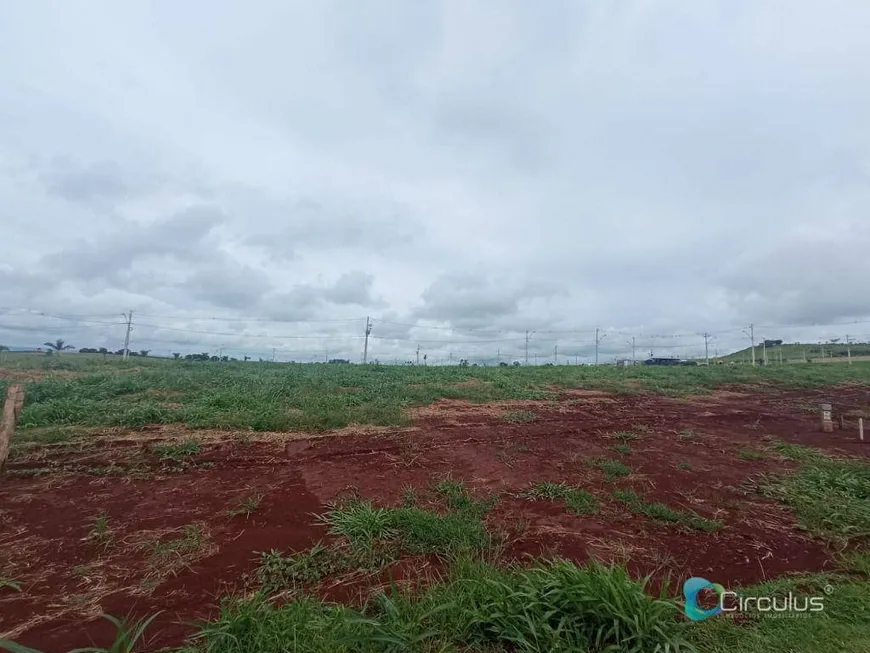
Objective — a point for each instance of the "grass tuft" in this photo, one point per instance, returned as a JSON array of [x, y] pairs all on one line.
[[246, 506], [750, 454], [612, 469], [519, 416], [177, 451], [664, 513], [577, 500]]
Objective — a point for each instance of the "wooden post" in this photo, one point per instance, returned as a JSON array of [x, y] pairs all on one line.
[[11, 409], [861, 429]]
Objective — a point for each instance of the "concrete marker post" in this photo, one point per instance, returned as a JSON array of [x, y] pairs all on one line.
[[827, 422]]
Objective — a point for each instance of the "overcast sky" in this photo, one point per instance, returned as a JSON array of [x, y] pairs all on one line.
[[485, 167]]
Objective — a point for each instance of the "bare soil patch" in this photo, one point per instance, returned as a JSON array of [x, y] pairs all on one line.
[[175, 518]]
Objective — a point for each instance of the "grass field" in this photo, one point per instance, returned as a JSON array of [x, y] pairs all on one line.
[[618, 482], [799, 353], [85, 390]]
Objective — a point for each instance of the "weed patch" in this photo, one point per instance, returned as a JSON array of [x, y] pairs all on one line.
[[554, 606], [577, 500], [830, 498], [612, 469], [246, 506], [664, 513], [519, 416], [750, 454]]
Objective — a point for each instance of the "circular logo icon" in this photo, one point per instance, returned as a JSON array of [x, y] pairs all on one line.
[[691, 589]]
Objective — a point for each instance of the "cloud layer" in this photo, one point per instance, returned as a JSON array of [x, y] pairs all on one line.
[[475, 169]]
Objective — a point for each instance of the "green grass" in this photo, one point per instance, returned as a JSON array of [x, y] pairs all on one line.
[[177, 451], [843, 627], [750, 454], [278, 572], [279, 397], [246, 506], [412, 529], [625, 436], [10, 583], [797, 452], [100, 532], [577, 500], [167, 555], [555, 606], [612, 469], [798, 353], [830, 497], [519, 416], [685, 466], [622, 448], [664, 513]]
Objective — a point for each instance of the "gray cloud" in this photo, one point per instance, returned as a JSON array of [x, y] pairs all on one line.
[[647, 169]]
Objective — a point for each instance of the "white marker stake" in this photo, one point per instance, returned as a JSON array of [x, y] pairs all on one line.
[[861, 429]]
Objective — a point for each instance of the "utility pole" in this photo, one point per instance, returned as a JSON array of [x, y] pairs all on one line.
[[598, 339], [633, 351], [528, 335], [498, 356], [366, 347], [536, 359], [418, 354], [706, 348], [849, 349], [129, 318], [273, 354], [555, 353], [752, 339], [764, 352], [751, 335], [450, 357]]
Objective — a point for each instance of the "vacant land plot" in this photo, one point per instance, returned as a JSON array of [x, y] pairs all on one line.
[[345, 508]]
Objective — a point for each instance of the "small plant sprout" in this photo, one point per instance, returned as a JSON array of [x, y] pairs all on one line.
[[246, 506]]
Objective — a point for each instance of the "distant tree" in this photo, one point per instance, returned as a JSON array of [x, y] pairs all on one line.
[[247, 358], [516, 363], [58, 345], [215, 359], [102, 350], [119, 352], [463, 362], [224, 359], [87, 350], [176, 355], [144, 352], [502, 364], [4, 348]]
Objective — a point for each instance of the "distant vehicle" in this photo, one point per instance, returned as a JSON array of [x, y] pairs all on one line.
[[668, 361]]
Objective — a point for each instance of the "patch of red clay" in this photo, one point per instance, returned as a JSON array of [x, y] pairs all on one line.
[[68, 579]]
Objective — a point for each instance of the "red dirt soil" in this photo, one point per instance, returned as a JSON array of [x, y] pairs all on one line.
[[68, 579]]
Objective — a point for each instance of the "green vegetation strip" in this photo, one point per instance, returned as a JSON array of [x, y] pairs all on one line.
[[664, 513], [275, 397], [830, 497], [577, 500]]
